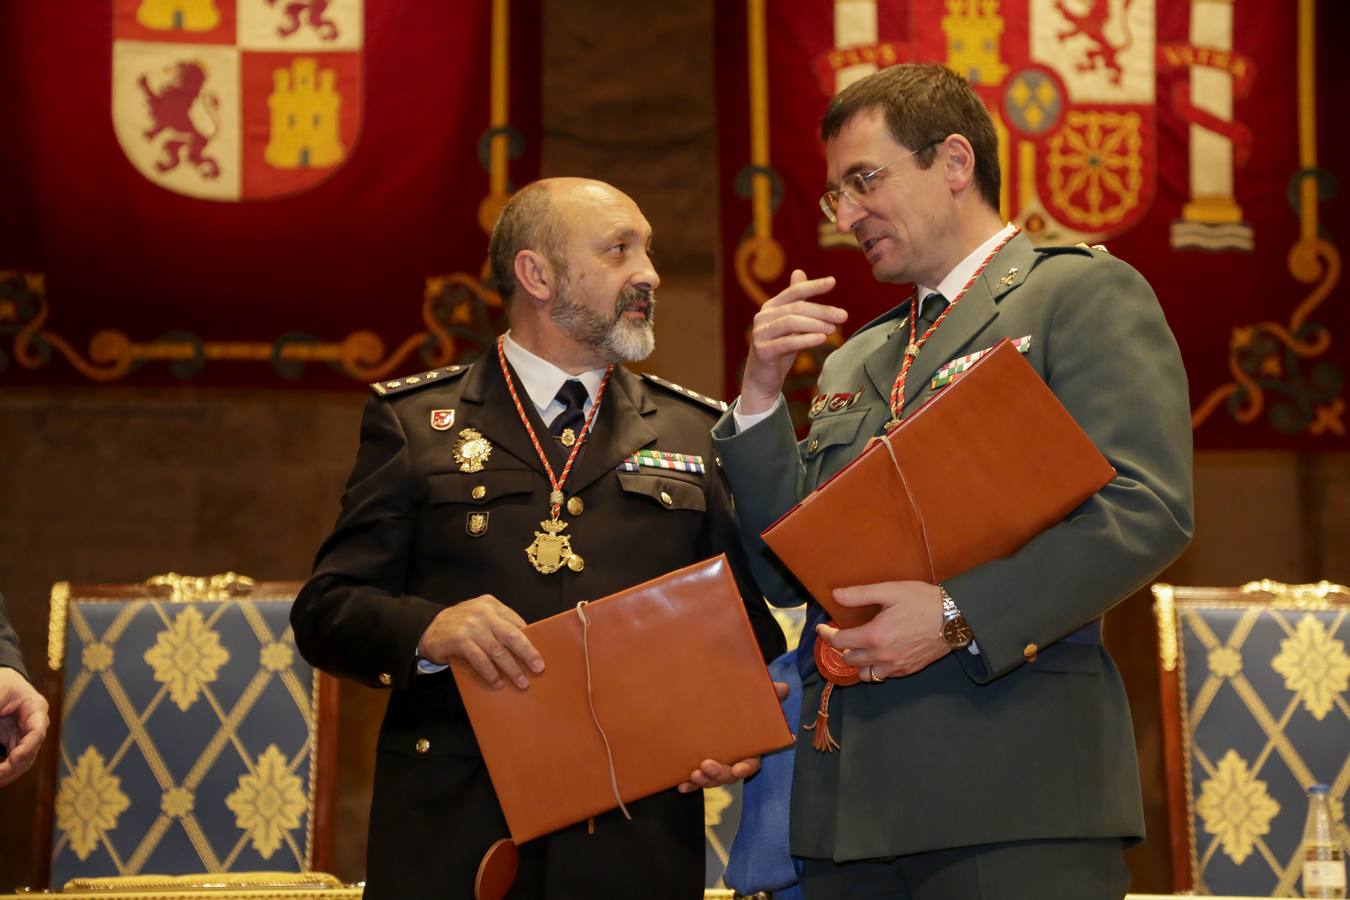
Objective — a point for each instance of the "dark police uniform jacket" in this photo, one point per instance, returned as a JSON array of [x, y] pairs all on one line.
[[407, 544]]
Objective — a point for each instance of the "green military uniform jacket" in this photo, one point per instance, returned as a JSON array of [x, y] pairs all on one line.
[[992, 748], [407, 544]]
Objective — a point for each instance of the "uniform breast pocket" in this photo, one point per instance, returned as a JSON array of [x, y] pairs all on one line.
[[830, 433], [478, 489], [665, 490], [839, 429]]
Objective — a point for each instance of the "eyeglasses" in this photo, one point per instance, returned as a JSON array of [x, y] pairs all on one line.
[[858, 184]]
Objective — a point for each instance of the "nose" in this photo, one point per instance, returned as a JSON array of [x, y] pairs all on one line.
[[646, 277], [848, 214]]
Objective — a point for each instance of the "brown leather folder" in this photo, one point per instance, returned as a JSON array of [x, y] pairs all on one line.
[[675, 678], [984, 466]]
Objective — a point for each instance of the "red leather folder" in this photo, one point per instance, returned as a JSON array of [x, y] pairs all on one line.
[[675, 678], [988, 463]]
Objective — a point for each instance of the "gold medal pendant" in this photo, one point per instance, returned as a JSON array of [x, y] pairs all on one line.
[[551, 550]]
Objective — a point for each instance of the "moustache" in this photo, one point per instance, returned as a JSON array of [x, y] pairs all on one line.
[[638, 300]]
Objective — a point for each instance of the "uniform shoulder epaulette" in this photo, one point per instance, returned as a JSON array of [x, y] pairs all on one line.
[[1078, 249], [420, 380], [717, 405]]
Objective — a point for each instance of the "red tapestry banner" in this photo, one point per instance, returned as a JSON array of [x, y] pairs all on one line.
[[256, 192], [1200, 141]]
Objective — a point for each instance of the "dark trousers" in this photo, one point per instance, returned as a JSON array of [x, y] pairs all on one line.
[[1021, 870]]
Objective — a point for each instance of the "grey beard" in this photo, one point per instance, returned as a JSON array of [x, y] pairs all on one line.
[[613, 337]]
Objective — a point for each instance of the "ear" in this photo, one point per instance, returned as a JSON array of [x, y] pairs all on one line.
[[535, 275], [957, 158]]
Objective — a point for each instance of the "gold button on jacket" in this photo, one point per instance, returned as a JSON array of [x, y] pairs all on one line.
[[386, 679]]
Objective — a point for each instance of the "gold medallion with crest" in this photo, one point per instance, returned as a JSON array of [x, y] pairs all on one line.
[[551, 550]]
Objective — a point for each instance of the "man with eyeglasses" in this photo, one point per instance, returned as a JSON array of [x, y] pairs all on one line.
[[987, 750]]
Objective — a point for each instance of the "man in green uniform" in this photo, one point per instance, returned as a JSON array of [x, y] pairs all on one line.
[[1003, 766], [489, 496]]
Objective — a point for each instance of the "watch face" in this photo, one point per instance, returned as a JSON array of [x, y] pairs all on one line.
[[957, 633]]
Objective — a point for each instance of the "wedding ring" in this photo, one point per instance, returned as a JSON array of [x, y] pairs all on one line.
[[872, 675]]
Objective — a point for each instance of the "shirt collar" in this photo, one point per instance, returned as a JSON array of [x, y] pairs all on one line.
[[957, 277], [541, 378]]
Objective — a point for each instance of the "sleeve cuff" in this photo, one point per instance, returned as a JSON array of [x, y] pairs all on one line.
[[744, 422]]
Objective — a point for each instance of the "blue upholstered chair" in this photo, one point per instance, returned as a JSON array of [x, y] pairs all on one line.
[[188, 734], [1255, 709]]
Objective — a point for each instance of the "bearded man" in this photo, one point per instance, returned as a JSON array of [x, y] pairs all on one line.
[[439, 552]]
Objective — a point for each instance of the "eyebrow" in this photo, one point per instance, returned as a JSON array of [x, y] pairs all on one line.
[[626, 232], [855, 169]]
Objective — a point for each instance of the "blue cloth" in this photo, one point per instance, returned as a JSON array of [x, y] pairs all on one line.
[[806, 644], [760, 860]]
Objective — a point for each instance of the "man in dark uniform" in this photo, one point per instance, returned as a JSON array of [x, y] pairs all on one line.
[[489, 496], [987, 752], [23, 710]]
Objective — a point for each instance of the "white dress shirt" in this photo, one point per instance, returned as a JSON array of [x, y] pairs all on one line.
[[541, 379]]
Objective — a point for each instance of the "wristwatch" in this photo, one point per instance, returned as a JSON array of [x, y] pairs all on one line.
[[954, 630]]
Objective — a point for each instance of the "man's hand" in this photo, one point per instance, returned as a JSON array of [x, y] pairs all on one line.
[[485, 633], [23, 724], [783, 326], [712, 773], [903, 638]]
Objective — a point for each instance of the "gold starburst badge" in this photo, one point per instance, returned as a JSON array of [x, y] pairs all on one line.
[[472, 450]]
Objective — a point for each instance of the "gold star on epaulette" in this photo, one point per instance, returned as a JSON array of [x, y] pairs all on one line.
[[412, 382], [717, 405]]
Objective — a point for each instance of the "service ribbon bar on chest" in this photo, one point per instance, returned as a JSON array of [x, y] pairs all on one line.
[[659, 459], [944, 375]]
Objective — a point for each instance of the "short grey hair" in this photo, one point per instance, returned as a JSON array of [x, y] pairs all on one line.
[[528, 221]]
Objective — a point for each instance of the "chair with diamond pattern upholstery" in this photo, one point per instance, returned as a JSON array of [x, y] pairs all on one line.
[[1255, 709], [188, 734]]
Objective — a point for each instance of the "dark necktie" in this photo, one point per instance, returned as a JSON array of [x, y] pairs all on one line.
[[572, 395], [933, 305]]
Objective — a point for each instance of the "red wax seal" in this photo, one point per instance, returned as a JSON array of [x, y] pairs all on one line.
[[497, 871], [830, 663]]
